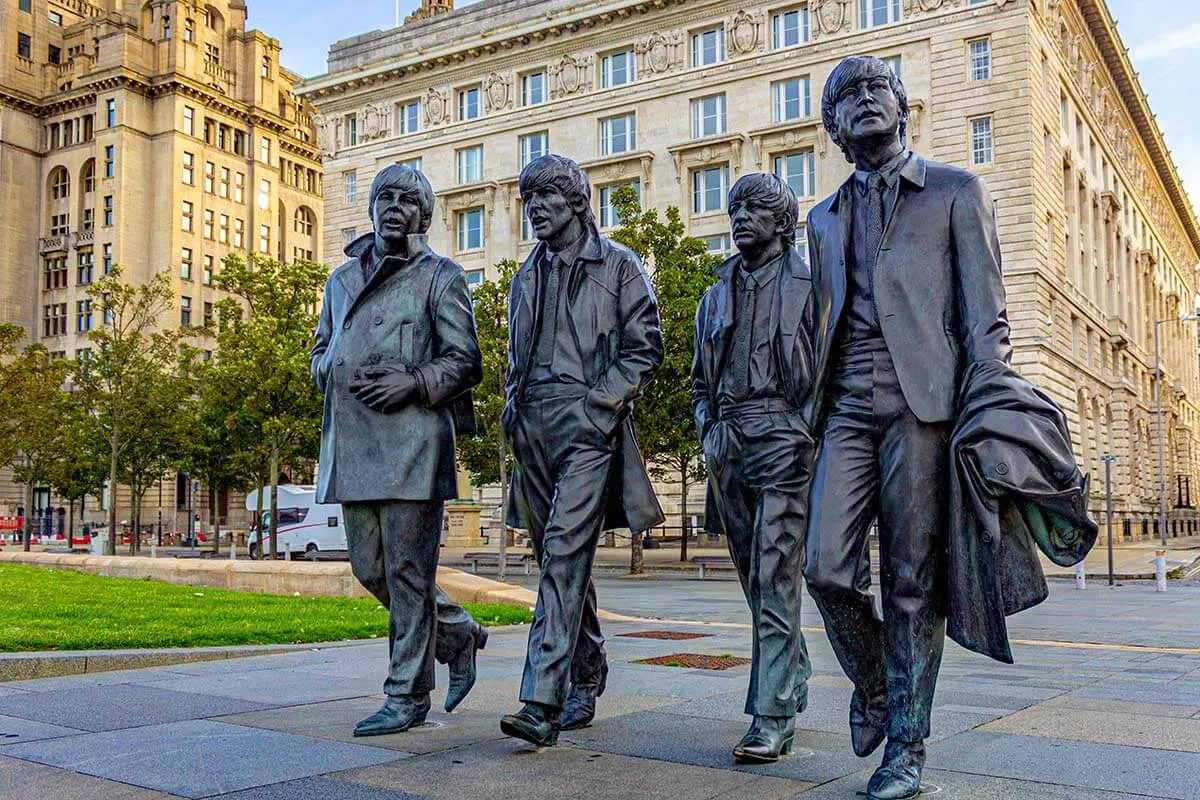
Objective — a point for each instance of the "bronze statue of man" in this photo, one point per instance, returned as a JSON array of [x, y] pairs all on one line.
[[751, 376], [396, 357], [906, 274], [584, 338]]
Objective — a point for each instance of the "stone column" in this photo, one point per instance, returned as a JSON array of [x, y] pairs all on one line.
[[464, 515]]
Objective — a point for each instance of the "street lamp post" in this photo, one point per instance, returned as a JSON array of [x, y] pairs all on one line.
[[1108, 462], [1158, 413]]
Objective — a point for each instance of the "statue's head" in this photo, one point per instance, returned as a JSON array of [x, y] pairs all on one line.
[[401, 203], [762, 209], [557, 197], [864, 103]]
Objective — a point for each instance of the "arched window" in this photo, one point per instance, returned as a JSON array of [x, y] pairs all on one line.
[[87, 176], [303, 221], [60, 184]]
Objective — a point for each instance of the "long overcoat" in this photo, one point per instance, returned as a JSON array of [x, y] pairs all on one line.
[[415, 312]]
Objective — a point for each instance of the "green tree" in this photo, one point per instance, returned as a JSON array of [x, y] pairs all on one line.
[[264, 333], [130, 386], [681, 269], [80, 470]]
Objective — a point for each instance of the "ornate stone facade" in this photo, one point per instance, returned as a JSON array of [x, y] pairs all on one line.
[[1035, 95]]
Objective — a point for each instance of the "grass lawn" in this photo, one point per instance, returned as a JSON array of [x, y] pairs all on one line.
[[54, 609]]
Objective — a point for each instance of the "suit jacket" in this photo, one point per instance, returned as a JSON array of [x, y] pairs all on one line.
[[613, 321], [415, 312], [1014, 489], [939, 294], [792, 351]]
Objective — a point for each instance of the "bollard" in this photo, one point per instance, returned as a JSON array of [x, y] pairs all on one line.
[[153, 551], [287, 551], [1160, 570], [1080, 576], [232, 551]]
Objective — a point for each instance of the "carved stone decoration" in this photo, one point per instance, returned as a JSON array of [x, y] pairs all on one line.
[[832, 16], [375, 122], [437, 107], [327, 134], [659, 52], [744, 32], [570, 75], [498, 92], [913, 7]]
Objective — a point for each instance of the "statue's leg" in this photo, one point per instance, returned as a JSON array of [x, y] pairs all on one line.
[[364, 538], [412, 532]]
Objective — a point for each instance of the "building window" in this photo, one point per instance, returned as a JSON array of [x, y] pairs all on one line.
[[608, 211], [303, 222], [799, 171], [239, 184], [108, 210], [108, 160], [534, 145], [411, 163], [789, 28], [617, 69], [206, 274], [264, 150], [408, 116], [802, 237], [85, 267], [533, 88], [708, 116], [54, 319], [350, 179], [189, 120], [185, 311], [895, 63], [351, 122], [89, 177], [210, 171], [470, 164], [60, 184], [189, 169], [24, 46], [223, 184], [59, 224], [264, 193], [474, 279], [106, 257], [223, 229], [717, 245], [239, 229], [264, 69], [53, 53], [526, 226], [212, 54], [979, 58], [709, 187], [87, 221], [470, 229], [264, 238], [25, 5], [348, 236], [468, 103], [110, 112], [185, 263], [981, 141], [791, 99], [209, 219], [83, 316], [56, 19], [872, 13], [708, 47], [618, 134], [54, 272], [189, 30], [208, 314]]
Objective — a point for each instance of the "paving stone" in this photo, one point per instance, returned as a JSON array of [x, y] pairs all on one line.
[[198, 758], [1136, 770], [1109, 727], [940, 783], [104, 708], [8, 691], [319, 789], [25, 780], [820, 756], [1139, 693], [15, 729], [511, 770], [274, 687]]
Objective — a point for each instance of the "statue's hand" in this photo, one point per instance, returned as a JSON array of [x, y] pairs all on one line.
[[384, 387]]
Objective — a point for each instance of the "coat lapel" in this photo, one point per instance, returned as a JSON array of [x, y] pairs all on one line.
[[722, 318], [793, 279], [835, 255], [527, 291]]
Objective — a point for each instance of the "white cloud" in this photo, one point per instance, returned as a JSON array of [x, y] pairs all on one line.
[[1167, 44]]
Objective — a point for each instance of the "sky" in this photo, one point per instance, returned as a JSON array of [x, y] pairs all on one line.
[[1162, 36]]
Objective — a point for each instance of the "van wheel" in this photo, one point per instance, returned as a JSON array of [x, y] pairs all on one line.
[[310, 552], [253, 550]]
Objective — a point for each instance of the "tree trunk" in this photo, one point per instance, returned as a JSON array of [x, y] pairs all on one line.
[[110, 547], [213, 529], [503, 573], [635, 553], [274, 497], [70, 522], [28, 514], [258, 515], [683, 511], [135, 498]]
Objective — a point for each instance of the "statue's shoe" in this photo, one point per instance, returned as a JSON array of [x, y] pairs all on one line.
[[868, 721], [580, 709], [462, 668], [768, 739], [536, 724], [899, 776], [397, 715]]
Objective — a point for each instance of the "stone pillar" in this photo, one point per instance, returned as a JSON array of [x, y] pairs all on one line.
[[464, 516]]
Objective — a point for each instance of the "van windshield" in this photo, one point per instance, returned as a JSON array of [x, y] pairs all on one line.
[[287, 516]]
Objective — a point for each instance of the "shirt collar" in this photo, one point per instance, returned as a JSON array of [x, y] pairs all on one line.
[[569, 253], [890, 172], [763, 275]]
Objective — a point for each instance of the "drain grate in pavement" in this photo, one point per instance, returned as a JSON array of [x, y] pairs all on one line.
[[695, 661], [673, 635]]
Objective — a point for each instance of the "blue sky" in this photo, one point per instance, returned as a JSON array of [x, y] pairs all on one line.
[[1162, 36]]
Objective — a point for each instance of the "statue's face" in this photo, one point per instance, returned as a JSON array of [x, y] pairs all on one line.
[[549, 212], [867, 110], [396, 213], [754, 226]]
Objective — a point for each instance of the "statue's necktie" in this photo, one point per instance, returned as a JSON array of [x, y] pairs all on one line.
[[874, 219], [742, 335], [549, 332]]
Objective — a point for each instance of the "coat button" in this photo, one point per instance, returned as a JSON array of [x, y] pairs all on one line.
[[987, 538], [379, 320], [374, 358], [1002, 468], [346, 325], [339, 361]]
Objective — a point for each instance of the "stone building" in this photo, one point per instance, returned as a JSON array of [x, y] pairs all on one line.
[[154, 135], [679, 97]]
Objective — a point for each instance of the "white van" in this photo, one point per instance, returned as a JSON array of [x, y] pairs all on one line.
[[311, 528]]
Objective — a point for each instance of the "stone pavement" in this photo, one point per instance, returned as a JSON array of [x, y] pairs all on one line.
[[1103, 703]]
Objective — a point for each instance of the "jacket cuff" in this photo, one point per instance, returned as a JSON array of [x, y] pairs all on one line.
[[422, 385]]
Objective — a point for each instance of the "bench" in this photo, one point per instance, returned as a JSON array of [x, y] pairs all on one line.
[[493, 560], [712, 562]]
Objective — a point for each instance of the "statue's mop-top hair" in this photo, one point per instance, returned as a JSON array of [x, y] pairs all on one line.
[[405, 179], [561, 173], [771, 192], [849, 73]]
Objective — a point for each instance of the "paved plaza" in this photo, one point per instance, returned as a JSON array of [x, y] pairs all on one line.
[[1103, 703]]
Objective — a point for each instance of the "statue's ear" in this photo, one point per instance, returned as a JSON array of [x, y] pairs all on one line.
[[579, 204]]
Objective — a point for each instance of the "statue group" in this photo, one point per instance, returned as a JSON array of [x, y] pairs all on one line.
[[865, 381]]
